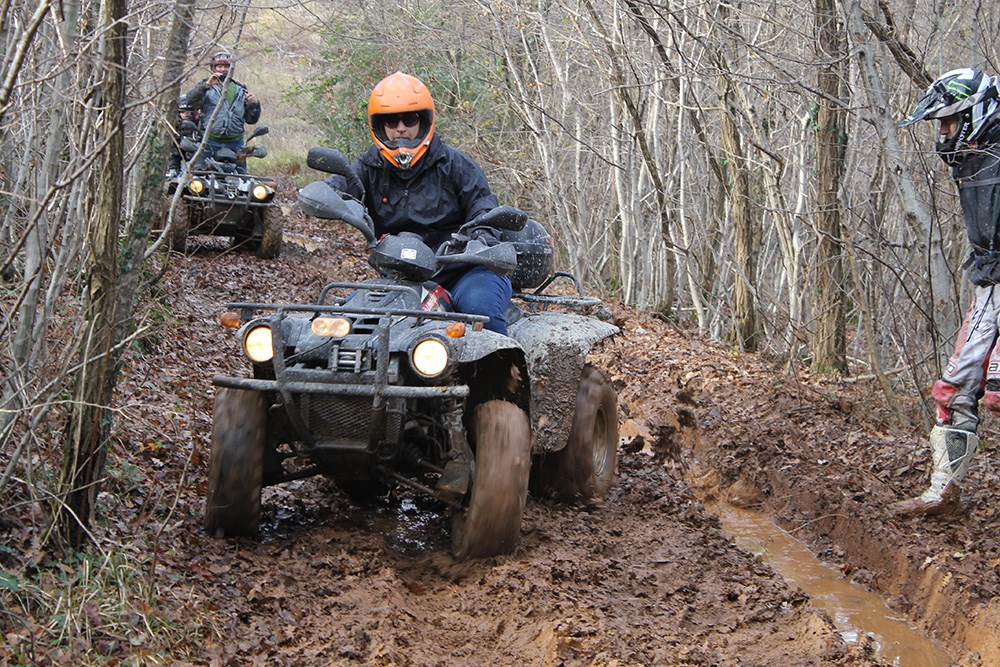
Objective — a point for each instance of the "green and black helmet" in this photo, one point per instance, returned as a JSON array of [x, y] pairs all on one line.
[[966, 93]]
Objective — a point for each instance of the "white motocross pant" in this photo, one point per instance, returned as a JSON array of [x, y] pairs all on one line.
[[973, 371]]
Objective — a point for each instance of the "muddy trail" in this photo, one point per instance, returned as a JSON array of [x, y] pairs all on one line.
[[647, 578]]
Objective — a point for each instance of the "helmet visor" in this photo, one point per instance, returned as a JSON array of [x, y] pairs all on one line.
[[391, 121], [925, 106], [945, 98], [381, 122]]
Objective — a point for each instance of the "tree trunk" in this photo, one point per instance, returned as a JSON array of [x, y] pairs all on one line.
[[829, 340], [21, 206], [18, 55], [154, 165], [744, 311], [89, 424]]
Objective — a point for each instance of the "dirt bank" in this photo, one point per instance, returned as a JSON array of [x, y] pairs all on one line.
[[822, 458]]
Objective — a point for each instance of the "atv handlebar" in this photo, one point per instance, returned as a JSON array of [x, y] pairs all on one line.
[[506, 218], [333, 161], [322, 201]]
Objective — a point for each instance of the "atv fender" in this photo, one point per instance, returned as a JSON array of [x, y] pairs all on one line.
[[556, 346], [493, 365], [470, 347], [476, 345]]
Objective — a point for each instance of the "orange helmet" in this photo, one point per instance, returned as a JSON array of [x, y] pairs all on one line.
[[398, 94]]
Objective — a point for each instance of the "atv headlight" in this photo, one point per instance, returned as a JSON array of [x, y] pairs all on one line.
[[429, 357], [261, 192], [258, 344], [331, 327], [196, 186]]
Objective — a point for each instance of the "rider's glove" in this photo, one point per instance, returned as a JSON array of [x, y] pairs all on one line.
[[458, 243], [485, 235]]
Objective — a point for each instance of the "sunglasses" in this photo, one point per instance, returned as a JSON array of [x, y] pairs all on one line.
[[392, 120]]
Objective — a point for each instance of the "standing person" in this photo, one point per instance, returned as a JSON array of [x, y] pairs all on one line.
[[966, 104], [239, 106], [415, 182]]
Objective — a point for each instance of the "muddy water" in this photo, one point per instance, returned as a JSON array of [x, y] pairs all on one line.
[[855, 611]]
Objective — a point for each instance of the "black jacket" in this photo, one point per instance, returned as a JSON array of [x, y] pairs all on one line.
[[444, 190], [978, 179]]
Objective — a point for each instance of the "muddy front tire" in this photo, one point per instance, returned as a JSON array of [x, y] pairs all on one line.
[[236, 466], [491, 523], [180, 228], [584, 470], [270, 242]]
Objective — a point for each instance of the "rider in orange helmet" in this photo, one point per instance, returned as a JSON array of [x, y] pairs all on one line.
[[414, 182]]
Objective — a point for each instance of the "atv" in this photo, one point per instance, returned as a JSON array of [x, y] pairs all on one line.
[[218, 198], [382, 383]]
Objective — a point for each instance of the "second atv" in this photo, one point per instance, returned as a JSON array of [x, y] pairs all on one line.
[[218, 198]]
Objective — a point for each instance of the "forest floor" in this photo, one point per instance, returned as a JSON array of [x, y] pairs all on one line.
[[647, 578]]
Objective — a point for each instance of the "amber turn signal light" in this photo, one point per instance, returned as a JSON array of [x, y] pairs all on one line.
[[455, 330], [230, 320]]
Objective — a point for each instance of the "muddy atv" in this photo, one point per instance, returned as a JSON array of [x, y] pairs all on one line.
[[217, 198], [381, 383]]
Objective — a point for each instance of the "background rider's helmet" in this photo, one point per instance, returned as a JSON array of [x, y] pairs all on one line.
[[184, 104], [967, 93], [401, 93], [221, 58]]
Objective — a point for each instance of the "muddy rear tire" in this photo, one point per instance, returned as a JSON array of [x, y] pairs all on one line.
[[491, 523], [584, 470], [236, 466], [270, 242]]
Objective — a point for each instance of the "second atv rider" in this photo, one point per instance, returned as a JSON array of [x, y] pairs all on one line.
[[239, 106], [414, 182]]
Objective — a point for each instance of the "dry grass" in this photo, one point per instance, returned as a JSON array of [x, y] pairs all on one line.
[[80, 610]]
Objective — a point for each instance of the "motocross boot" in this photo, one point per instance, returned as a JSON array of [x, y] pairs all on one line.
[[952, 450]]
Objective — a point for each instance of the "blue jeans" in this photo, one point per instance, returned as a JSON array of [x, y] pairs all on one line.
[[212, 145], [479, 291]]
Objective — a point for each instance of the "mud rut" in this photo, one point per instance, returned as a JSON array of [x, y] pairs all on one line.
[[646, 579]]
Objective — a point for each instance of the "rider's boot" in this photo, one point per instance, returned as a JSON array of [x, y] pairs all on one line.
[[952, 450]]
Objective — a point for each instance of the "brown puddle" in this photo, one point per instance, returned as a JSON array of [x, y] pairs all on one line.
[[855, 611]]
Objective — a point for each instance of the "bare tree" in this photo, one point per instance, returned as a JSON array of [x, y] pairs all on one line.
[[89, 428], [36, 169], [148, 203], [744, 311], [69, 226], [829, 344]]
